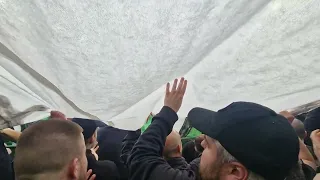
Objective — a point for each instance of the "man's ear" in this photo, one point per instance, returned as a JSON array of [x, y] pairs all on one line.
[[179, 148], [234, 170], [74, 169]]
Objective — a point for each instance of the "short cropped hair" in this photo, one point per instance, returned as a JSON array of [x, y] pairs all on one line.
[[47, 147], [225, 157], [172, 142]]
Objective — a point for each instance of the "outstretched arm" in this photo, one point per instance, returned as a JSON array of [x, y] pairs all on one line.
[[146, 161]]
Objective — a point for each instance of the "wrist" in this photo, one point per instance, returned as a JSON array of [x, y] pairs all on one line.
[[168, 114], [170, 108]]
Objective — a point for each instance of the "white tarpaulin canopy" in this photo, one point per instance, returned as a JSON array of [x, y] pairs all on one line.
[[110, 59]]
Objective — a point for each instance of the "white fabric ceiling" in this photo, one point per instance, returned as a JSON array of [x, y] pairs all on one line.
[[109, 59]]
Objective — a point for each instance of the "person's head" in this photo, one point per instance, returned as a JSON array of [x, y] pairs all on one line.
[[298, 126], [52, 149], [311, 123], [245, 141], [89, 131], [173, 146], [217, 163]]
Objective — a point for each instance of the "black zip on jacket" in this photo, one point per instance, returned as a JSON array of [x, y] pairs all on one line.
[[146, 161]]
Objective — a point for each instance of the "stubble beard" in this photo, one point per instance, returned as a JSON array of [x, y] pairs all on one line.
[[210, 172]]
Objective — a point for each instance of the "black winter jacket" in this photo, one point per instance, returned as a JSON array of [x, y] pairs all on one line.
[[146, 162], [104, 170]]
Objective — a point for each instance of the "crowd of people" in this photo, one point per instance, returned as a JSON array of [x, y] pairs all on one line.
[[243, 141]]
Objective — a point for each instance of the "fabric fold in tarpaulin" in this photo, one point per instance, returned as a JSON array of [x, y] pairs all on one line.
[[109, 60]]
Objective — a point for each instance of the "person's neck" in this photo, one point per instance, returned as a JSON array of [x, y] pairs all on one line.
[[46, 176], [175, 155]]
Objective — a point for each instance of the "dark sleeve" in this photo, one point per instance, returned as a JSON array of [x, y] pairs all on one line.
[[104, 170], [127, 144], [145, 161], [194, 166], [308, 171], [91, 159], [6, 170]]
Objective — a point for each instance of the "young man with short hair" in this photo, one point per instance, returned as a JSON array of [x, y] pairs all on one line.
[[51, 150]]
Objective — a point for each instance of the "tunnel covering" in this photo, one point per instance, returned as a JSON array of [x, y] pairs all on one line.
[[110, 59]]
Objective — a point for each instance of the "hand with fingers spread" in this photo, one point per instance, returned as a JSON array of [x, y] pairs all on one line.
[[94, 152], [174, 97], [89, 173]]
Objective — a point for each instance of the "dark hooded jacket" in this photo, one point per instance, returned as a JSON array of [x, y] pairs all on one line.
[[132, 137], [146, 162], [6, 166], [104, 169]]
